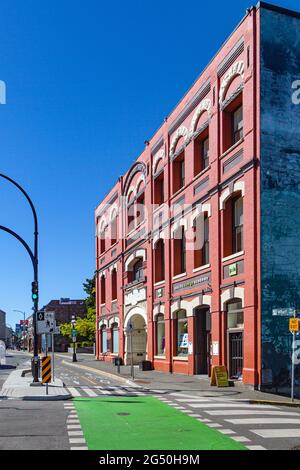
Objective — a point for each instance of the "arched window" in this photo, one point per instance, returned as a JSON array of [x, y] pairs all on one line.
[[158, 192], [130, 212], [235, 327], [233, 225], [104, 339], [233, 124], [178, 172], [181, 327], [201, 152], [160, 335], [113, 230], [179, 251], [201, 252], [159, 261], [114, 291], [115, 338], [140, 208], [138, 270], [103, 289]]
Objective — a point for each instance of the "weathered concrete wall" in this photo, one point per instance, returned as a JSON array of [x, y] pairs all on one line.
[[280, 191]]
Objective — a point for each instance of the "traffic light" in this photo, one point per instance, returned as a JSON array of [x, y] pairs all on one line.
[[35, 291]]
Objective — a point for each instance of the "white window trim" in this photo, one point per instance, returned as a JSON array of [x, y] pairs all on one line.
[[235, 255], [178, 276], [201, 268]]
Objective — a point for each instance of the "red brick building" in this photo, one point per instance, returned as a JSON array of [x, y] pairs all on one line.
[[190, 306]]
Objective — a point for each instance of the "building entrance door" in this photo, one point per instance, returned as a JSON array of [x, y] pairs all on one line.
[[202, 341], [236, 354]]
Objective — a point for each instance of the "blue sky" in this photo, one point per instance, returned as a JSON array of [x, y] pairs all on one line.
[[87, 84]]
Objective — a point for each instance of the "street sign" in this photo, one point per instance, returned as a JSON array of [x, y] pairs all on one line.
[[46, 369], [41, 316], [294, 324], [46, 322], [74, 333]]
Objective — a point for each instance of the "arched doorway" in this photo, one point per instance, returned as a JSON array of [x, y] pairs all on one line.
[[135, 335], [202, 340]]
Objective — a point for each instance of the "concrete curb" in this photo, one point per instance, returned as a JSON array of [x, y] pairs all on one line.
[[100, 372], [275, 403]]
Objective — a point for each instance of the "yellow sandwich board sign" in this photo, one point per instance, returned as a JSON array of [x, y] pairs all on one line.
[[219, 376], [294, 324], [46, 369]]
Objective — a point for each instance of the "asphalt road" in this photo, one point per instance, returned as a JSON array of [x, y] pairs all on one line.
[[43, 425]]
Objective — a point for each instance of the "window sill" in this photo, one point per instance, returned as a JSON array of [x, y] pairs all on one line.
[[178, 276], [201, 173], [201, 268], [159, 357], [180, 358], [103, 305], [235, 255], [234, 146], [160, 283]]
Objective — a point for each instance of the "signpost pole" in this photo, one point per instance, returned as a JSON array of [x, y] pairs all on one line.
[[52, 342], [293, 368]]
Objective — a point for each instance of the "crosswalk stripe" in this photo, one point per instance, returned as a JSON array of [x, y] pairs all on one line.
[[272, 433], [240, 438], [90, 392], [250, 412], [228, 405], [182, 395], [74, 392], [193, 400], [260, 420], [256, 448], [104, 392], [227, 431]]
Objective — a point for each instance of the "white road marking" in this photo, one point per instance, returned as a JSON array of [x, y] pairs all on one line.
[[229, 405], [260, 420], [214, 425], [227, 431], [251, 412], [89, 392], [240, 438], [256, 448], [74, 392], [80, 448], [193, 400], [104, 392], [266, 433], [77, 440], [182, 395], [75, 433], [73, 426]]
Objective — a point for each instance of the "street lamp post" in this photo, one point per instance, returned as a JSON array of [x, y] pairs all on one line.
[[74, 334], [34, 259]]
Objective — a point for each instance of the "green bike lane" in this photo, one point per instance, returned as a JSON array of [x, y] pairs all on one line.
[[145, 423]]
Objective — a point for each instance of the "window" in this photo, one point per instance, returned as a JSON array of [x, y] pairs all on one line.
[[178, 173], [113, 228], [181, 333], [102, 242], [159, 261], [179, 252], [235, 315], [233, 126], [160, 335], [138, 270], [115, 338], [104, 339], [159, 189], [140, 209], [233, 225], [237, 124], [237, 236], [103, 293], [114, 284], [130, 217], [201, 253], [201, 153]]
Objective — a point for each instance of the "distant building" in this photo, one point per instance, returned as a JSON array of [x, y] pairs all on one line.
[[2, 325], [64, 308]]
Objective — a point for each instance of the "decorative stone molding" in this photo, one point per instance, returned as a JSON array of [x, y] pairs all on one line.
[[102, 273], [112, 267], [200, 209], [205, 105], [114, 320], [135, 311], [236, 69], [131, 190], [158, 309], [189, 307], [113, 212], [137, 167], [159, 156], [177, 225], [137, 254], [229, 294], [142, 178], [158, 236], [103, 323], [181, 132], [237, 186], [135, 296]]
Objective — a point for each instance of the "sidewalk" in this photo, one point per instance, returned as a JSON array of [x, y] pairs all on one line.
[[155, 380], [20, 388]]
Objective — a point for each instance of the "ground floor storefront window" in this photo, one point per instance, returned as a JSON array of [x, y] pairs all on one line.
[[160, 335], [104, 339], [115, 338], [181, 323]]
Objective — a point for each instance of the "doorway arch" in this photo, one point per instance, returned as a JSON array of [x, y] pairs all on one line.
[[137, 318]]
